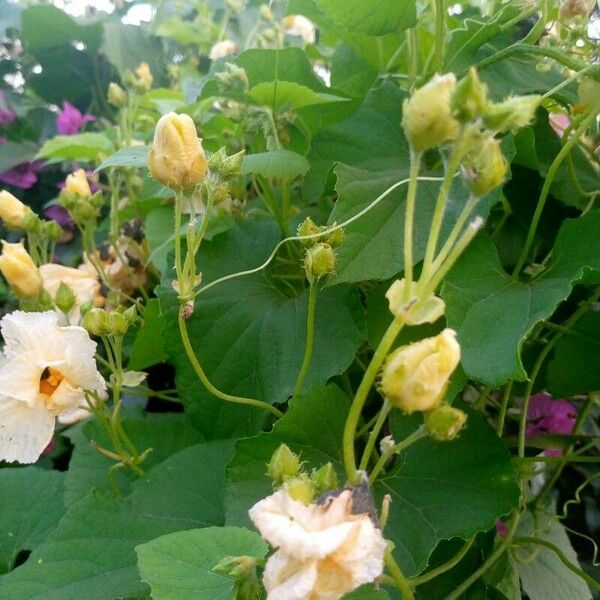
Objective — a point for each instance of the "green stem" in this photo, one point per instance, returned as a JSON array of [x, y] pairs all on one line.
[[538, 29], [526, 541], [412, 58], [502, 547], [416, 581], [361, 395], [383, 414], [178, 270], [439, 9], [310, 335], [399, 579], [209, 386], [411, 195], [504, 408], [552, 171], [415, 436]]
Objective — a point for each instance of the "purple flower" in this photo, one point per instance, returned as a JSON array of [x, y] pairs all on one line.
[[545, 415], [7, 114], [60, 215], [501, 528], [24, 175], [70, 120]]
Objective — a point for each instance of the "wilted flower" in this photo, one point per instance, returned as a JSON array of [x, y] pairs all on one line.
[[427, 115], [70, 120], [23, 176], [545, 415], [176, 156], [222, 49], [83, 284], [415, 377], [323, 551], [428, 311], [300, 26], [44, 373], [20, 271], [12, 210]]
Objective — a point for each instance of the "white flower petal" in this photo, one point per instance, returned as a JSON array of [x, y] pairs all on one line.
[[79, 365], [20, 378], [23, 331], [288, 579], [65, 398], [73, 415], [25, 430]]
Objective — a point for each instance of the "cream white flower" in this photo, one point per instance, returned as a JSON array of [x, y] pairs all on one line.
[[44, 371], [83, 283], [323, 551], [222, 49], [300, 26]]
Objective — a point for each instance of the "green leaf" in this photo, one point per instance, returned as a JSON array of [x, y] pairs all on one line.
[[384, 16], [442, 490], [92, 552], [88, 147], [545, 577], [25, 522], [13, 154], [135, 156], [367, 592], [572, 369], [250, 337], [89, 469], [287, 94], [277, 163], [493, 313], [148, 348], [179, 566], [312, 427]]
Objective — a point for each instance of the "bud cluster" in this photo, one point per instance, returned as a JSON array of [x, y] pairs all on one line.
[[286, 471], [83, 206], [319, 258], [99, 322]]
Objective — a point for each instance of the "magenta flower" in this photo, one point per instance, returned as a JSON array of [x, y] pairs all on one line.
[[501, 528], [545, 415], [24, 175], [70, 120], [7, 114], [60, 215]]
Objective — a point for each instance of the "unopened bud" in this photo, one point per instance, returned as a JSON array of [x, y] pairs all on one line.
[[131, 315], [95, 322], [222, 49], [589, 94], [284, 465], [319, 260], [52, 230], [116, 323], [324, 479], [117, 96], [511, 114], [266, 14], [470, 97], [415, 377], [300, 489], [485, 167], [233, 79], [64, 298], [308, 227], [387, 445], [12, 210], [236, 567], [32, 223], [427, 115], [20, 271], [403, 302], [445, 422], [336, 238], [144, 77]]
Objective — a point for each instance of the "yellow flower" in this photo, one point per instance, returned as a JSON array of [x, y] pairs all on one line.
[[323, 551], [76, 183], [222, 49], [20, 271], [45, 370], [145, 77], [427, 115], [415, 377], [176, 156], [83, 284], [12, 210]]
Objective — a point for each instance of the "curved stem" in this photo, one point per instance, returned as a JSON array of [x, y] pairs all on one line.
[[310, 335], [398, 577], [209, 386], [416, 581], [411, 195], [552, 170], [361, 395], [383, 413]]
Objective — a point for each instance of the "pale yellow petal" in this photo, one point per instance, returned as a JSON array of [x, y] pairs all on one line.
[[288, 579]]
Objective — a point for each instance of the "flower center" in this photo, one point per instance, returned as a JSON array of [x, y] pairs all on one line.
[[50, 380]]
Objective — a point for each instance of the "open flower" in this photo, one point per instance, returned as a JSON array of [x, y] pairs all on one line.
[[70, 119], [44, 371], [300, 26], [545, 415], [323, 551], [23, 176]]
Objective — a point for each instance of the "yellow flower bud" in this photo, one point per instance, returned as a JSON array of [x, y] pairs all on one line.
[[284, 465], [20, 271], [427, 116], [511, 114], [12, 210], [176, 156], [444, 423], [77, 184], [415, 377], [117, 96], [300, 488], [428, 311], [145, 77], [319, 260], [485, 167]]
